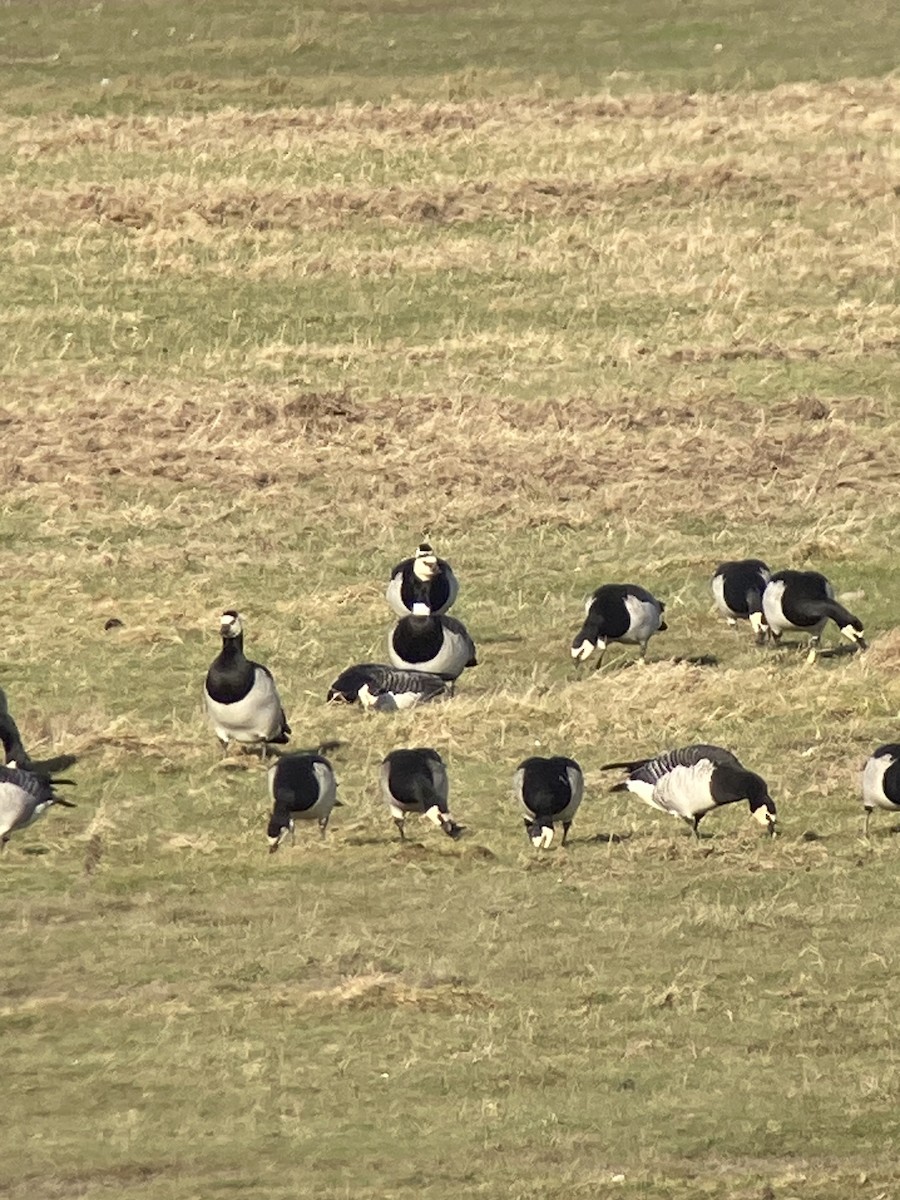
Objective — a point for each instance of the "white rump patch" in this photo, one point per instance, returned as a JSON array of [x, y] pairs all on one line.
[[421, 610]]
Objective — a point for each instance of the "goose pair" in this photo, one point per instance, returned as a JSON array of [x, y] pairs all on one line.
[[420, 591], [783, 602], [303, 787]]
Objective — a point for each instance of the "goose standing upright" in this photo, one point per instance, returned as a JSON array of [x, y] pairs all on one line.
[[804, 601], [24, 797], [738, 591], [424, 577], [424, 641], [618, 612], [549, 790], [881, 781], [240, 696], [302, 787], [415, 781], [692, 781]]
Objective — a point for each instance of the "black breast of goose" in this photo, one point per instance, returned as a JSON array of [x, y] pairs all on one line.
[[425, 642]]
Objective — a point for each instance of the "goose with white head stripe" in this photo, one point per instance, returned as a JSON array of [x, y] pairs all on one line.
[[241, 699], [549, 791], [804, 601], [692, 781], [424, 577], [618, 612]]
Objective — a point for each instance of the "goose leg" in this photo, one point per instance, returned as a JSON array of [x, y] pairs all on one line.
[[566, 827]]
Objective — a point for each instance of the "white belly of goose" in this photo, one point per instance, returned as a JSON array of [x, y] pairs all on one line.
[[255, 718]]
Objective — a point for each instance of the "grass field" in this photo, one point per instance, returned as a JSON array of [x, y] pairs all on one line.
[[586, 299]]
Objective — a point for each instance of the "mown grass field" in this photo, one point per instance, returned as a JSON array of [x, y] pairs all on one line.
[[586, 299]]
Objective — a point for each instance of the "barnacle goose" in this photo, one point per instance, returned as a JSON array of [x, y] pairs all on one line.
[[549, 790], [738, 590], [804, 600], [424, 641], [24, 797], [691, 782], [618, 612], [302, 788], [881, 781], [378, 686], [241, 698], [415, 781], [424, 577]]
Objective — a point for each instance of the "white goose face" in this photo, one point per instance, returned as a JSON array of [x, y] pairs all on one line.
[[757, 622], [425, 566], [583, 652], [854, 635], [544, 839], [230, 624], [433, 814]]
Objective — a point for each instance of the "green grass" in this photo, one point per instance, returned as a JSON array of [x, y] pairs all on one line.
[[572, 291], [161, 55]]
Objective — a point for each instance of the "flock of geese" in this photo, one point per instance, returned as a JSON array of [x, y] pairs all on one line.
[[428, 650]]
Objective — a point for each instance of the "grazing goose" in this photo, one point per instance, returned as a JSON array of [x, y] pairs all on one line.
[[881, 781], [618, 612], [426, 642], [738, 590], [241, 698], [424, 577], [804, 600], [24, 797], [548, 790], [302, 788], [13, 750], [381, 687], [415, 781], [691, 782]]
